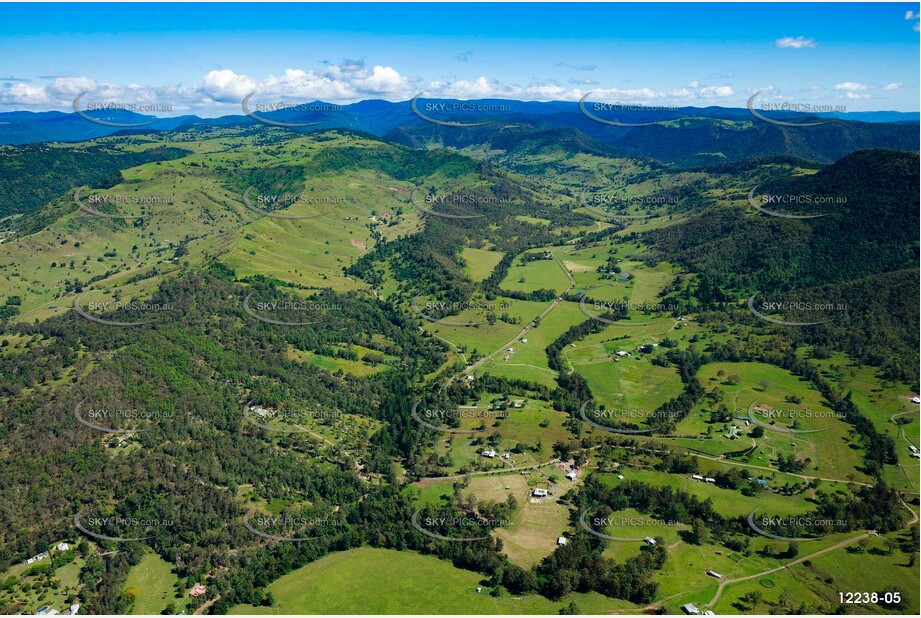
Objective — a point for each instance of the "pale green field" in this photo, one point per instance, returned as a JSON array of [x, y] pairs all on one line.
[[727, 501], [353, 582], [480, 262], [829, 450], [532, 355], [152, 580], [536, 275]]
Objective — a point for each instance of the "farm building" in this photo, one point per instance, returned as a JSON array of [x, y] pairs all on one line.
[[538, 492], [690, 609], [489, 453], [561, 541], [650, 541], [571, 476], [713, 573]]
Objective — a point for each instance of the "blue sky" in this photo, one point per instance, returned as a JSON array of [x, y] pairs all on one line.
[[204, 58]]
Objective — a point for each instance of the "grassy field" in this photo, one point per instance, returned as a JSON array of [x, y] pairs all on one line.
[[153, 581], [535, 275], [819, 581], [727, 501], [352, 582], [480, 262], [35, 591], [832, 451]]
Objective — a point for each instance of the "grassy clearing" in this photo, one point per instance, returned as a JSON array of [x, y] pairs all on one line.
[[153, 581], [350, 582], [480, 262]]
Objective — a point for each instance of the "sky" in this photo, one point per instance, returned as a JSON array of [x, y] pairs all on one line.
[[205, 58]]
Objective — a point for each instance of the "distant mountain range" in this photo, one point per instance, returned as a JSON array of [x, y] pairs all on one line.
[[400, 122]]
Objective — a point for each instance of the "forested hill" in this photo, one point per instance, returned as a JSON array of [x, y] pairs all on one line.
[[869, 198]]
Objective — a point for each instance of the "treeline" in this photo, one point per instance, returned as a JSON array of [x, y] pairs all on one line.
[[36, 174]]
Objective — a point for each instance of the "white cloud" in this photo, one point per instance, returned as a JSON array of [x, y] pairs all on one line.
[[225, 85], [893, 86], [917, 16], [583, 81], [854, 95], [712, 92], [24, 94], [71, 86], [694, 84], [851, 86], [795, 43]]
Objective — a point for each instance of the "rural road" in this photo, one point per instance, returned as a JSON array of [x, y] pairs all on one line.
[[524, 331], [728, 582]]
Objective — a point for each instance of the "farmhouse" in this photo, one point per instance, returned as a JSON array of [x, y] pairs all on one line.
[[650, 541], [538, 492], [690, 609], [488, 453], [561, 541], [197, 590], [62, 547], [916, 399]]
